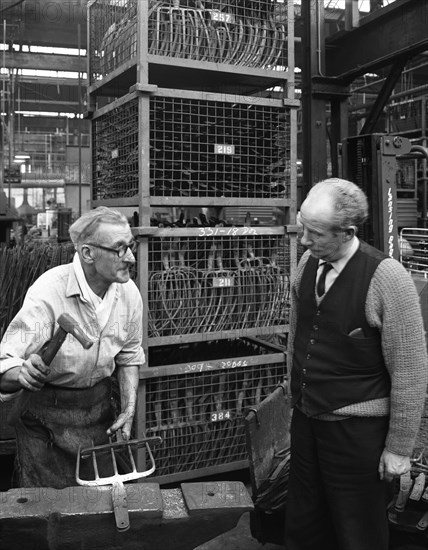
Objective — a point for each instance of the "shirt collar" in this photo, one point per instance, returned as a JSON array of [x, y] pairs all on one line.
[[86, 293], [78, 285], [340, 264], [73, 287]]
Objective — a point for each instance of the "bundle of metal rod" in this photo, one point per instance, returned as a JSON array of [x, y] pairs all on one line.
[[175, 292], [230, 33], [20, 267], [216, 284]]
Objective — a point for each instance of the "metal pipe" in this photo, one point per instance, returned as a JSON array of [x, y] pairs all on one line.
[[3, 102], [319, 48], [79, 125]]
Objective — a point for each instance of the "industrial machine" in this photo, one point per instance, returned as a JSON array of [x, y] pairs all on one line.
[[371, 161]]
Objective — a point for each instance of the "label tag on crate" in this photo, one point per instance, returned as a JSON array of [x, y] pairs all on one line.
[[223, 282], [223, 149], [218, 416], [221, 16]]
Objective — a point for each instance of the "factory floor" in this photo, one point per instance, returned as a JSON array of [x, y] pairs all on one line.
[[238, 538]]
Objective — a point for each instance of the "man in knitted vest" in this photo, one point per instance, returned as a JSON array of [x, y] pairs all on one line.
[[358, 377]]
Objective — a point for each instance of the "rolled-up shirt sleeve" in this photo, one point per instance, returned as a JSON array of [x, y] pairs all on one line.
[[8, 362], [132, 353], [25, 335]]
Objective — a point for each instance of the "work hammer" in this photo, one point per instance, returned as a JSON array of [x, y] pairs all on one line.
[[67, 325]]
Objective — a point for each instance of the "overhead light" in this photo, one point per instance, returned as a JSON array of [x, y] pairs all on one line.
[[22, 156]]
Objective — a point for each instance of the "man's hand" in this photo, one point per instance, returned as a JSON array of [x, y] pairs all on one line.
[[123, 422], [32, 375], [392, 465]]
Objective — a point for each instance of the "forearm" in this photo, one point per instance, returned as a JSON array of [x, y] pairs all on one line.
[[393, 306], [9, 382], [128, 386]]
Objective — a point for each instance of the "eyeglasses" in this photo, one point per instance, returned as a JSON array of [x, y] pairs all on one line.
[[121, 251]]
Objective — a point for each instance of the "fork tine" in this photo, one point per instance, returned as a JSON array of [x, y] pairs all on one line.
[[78, 465], [94, 462], [113, 457], [131, 458]]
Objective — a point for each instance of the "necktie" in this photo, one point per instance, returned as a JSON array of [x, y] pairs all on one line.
[[321, 281]]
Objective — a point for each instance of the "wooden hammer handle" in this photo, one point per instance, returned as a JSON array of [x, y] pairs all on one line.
[[47, 353], [51, 348]]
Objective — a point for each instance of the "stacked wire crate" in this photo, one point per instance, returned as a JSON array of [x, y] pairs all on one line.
[[193, 110]]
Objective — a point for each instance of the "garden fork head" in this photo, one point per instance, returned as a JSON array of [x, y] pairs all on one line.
[[120, 506]]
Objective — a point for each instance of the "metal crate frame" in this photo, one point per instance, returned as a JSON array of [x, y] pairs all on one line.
[[198, 408], [208, 283], [249, 79], [196, 148], [253, 37]]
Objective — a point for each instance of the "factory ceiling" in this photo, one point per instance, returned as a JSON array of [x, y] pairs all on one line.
[[396, 30]]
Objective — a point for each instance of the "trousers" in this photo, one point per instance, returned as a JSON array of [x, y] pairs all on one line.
[[336, 499]]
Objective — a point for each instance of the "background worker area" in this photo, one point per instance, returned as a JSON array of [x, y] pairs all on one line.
[[70, 401], [358, 377]]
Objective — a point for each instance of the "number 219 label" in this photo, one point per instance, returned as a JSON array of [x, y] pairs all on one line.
[[220, 149]]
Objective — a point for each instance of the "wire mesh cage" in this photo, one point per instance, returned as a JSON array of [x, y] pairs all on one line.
[[405, 115], [219, 149], [199, 410], [112, 36], [226, 279], [250, 33], [115, 152], [198, 148], [414, 250]]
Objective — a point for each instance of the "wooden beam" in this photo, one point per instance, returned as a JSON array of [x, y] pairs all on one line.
[[40, 81], [396, 30], [45, 61], [50, 105]]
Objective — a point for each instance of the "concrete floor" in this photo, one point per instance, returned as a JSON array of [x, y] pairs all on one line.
[[238, 538]]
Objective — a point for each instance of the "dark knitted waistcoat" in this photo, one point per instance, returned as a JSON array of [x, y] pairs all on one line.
[[332, 369]]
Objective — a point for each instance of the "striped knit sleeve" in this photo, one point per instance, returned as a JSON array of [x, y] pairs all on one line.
[[294, 299], [393, 307]]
